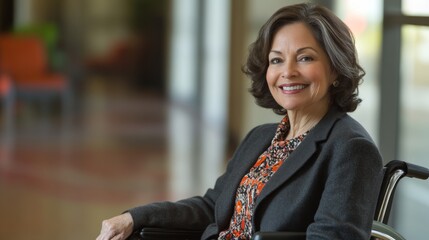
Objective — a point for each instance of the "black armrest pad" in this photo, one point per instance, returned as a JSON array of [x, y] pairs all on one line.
[[279, 235], [163, 233], [150, 233]]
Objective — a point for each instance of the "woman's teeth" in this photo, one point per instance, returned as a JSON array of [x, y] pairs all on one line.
[[291, 88]]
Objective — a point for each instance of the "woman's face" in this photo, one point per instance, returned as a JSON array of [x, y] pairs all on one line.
[[299, 72]]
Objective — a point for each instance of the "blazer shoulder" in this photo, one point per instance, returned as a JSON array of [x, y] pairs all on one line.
[[348, 127], [337, 126], [349, 137], [257, 139], [268, 128], [260, 132]]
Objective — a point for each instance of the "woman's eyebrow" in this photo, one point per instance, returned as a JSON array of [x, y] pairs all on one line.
[[305, 48], [298, 51], [276, 51]]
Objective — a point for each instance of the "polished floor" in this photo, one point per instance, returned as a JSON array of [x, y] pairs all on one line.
[[60, 182]]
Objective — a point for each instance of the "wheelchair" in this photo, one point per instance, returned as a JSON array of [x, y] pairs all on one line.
[[394, 171]]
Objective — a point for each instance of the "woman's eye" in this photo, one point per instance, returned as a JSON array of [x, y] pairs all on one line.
[[306, 59], [275, 60]]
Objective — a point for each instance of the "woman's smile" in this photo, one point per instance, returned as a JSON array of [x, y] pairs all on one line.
[[292, 88]]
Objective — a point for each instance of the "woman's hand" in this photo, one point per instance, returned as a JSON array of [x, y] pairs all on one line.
[[116, 228]]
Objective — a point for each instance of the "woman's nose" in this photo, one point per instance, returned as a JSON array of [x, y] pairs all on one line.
[[289, 70]]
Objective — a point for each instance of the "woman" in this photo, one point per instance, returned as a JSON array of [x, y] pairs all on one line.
[[318, 171]]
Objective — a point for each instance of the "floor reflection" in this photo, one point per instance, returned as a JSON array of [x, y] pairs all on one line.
[[113, 156]]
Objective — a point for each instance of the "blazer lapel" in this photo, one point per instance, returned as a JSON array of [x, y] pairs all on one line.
[[302, 154], [225, 206]]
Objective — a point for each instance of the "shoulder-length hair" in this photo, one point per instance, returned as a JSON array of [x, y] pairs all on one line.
[[333, 36]]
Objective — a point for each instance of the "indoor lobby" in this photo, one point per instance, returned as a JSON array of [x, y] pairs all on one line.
[[151, 104]]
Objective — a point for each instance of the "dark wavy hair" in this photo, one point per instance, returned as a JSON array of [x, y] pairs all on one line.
[[333, 36]]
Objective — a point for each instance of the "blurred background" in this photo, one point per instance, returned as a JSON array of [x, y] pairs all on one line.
[[110, 104]]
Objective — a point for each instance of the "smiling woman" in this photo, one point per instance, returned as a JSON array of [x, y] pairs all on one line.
[[317, 171]]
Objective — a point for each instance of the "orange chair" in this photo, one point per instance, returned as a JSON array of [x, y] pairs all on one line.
[[24, 60]]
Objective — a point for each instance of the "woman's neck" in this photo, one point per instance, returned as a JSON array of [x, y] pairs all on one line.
[[303, 121]]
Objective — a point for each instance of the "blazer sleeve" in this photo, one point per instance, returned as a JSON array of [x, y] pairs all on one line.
[[192, 213], [348, 202]]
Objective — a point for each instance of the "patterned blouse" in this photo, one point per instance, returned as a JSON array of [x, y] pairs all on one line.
[[253, 182]]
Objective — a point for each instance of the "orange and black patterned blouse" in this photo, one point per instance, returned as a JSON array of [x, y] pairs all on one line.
[[252, 183]]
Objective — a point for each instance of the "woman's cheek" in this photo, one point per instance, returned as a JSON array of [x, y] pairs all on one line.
[[269, 76]]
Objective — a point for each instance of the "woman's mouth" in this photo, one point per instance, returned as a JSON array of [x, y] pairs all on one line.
[[293, 87]]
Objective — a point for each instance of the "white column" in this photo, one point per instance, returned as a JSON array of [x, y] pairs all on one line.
[[23, 12], [214, 89], [182, 91]]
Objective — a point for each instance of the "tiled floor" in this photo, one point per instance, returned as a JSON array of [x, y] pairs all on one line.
[[57, 184]]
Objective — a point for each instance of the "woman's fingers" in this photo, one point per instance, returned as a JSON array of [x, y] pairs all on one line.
[[118, 237], [108, 230], [116, 228]]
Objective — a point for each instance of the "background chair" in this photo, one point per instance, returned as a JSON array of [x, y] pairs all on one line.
[[24, 62], [393, 172], [49, 35]]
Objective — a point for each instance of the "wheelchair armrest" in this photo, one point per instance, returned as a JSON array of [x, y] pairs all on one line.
[[416, 171], [394, 171], [151, 233], [279, 236], [179, 234]]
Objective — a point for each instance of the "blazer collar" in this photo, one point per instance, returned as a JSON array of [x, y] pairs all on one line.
[[303, 153]]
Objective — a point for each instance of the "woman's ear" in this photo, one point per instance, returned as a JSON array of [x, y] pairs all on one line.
[[334, 76]]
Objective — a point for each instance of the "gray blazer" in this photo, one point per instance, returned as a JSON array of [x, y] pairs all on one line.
[[328, 187]]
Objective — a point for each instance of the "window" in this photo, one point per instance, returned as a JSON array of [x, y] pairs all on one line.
[[363, 17], [412, 199]]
